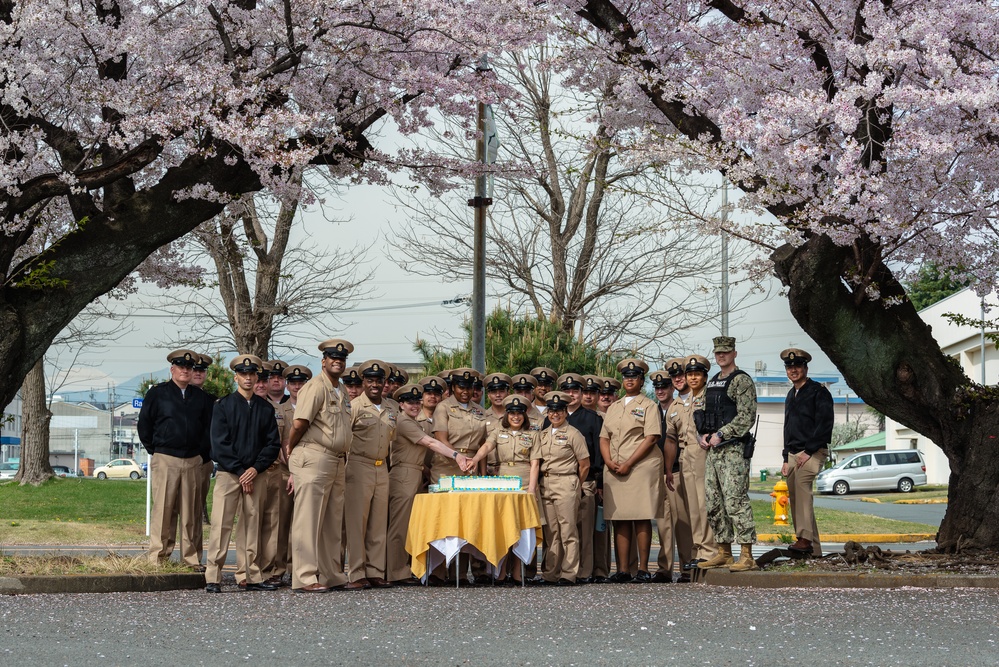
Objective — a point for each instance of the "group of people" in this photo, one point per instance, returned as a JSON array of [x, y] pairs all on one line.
[[323, 477]]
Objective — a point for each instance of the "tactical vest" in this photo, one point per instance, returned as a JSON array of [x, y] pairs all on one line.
[[719, 408]]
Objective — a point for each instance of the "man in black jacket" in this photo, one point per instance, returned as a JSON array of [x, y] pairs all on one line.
[[808, 425], [589, 424], [245, 443], [173, 427]]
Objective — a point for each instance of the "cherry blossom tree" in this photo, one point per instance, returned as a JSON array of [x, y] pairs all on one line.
[[126, 124], [868, 131]]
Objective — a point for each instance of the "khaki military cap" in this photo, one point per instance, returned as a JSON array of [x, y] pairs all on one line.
[[609, 385], [495, 381], [277, 367], [544, 375], [592, 382], [432, 383], [445, 374], [516, 403], [675, 366], [464, 377], [557, 400], [408, 392], [632, 367], [246, 363], [373, 368], [187, 358], [696, 362], [203, 362], [351, 376], [570, 381], [336, 348], [793, 356], [396, 374], [523, 381], [661, 379], [723, 343], [297, 373]]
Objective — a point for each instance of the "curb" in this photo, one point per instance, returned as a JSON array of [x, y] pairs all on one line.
[[884, 538], [101, 583], [721, 577]]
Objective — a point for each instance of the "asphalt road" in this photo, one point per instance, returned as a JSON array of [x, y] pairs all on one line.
[[928, 514], [592, 625]]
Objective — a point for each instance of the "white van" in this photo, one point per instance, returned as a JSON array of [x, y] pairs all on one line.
[[875, 471]]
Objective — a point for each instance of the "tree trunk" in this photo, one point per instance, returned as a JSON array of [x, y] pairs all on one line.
[[888, 355], [35, 415]]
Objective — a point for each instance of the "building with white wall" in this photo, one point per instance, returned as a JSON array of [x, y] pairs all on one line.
[[971, 348]]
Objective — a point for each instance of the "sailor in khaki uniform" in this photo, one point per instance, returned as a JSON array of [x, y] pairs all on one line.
[[497, 386], [591, 392], [680, 428], [351, 381], [372, 422], [546, 378], [319, 440], [295, 378], [608, 393], [198, 376], [409, 452], [395, 378], [633, 480], [601, 538], [524, 384], [458, 423], [564, 465], [674, 527]]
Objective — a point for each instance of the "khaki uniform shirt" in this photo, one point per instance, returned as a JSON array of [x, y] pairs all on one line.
[[561, 451], [512, 446], [285, 415], [626, 426], [327, 410], [465, 427], [535, 418], [404, 449], [680, 419], [373, 428]]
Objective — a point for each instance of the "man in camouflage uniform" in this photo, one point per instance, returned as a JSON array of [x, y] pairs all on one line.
[[726, 424]]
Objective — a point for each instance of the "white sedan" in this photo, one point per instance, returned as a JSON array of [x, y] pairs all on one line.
[[120, 468]]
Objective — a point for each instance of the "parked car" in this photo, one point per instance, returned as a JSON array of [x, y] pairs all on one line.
[[119, 468], [8, 470], [876, 471], [61, 471]]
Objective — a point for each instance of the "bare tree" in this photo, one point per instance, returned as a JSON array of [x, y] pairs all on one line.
[[577, 234], [270, 287], [94, 328]]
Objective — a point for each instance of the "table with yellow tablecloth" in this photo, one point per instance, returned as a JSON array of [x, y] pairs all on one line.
[[492, 523]]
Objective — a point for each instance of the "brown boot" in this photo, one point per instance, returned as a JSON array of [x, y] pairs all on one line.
[[723, 559], [746, 561]]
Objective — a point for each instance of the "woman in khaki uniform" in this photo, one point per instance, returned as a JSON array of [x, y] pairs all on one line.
[[406, 477], [633, 482], [497, 389], [458, 423], [461, 425], [511, 446], [564, 464]]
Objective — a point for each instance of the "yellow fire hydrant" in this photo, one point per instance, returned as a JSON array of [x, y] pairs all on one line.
[[780, 504]]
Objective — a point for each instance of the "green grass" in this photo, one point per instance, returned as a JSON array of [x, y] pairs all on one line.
[[838, 522]]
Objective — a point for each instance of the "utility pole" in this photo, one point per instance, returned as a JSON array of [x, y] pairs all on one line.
[[724, 259], [479, 203]]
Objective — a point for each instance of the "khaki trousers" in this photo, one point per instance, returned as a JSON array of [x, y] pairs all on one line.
[[560, 494], [318, 517], [693, 461], [674, 527], [228, 501], [175, 489], [587, 521], [366, 502], [267, 486], [287, 507], [799, 488], [205, 480], [405, 481]]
